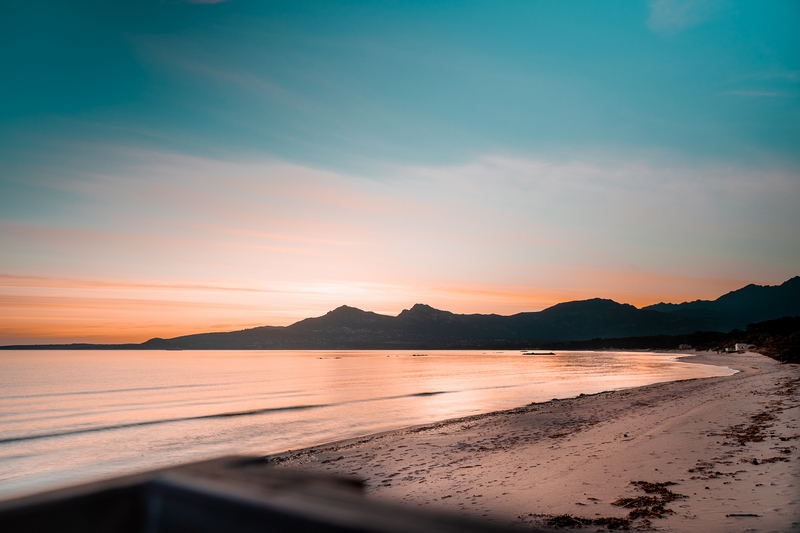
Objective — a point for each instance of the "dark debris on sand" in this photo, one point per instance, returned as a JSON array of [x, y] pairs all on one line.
[[638, 502], [642, 507], [660, 489], [744, 433], [574, 522]]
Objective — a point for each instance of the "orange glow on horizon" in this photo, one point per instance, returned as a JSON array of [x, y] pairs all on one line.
[[163, 246], [39, 309]]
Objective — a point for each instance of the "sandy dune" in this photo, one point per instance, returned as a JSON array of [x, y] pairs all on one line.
[[729, 444]]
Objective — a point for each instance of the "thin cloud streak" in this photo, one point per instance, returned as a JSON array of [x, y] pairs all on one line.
[[178, 56], [757, 94], [672, 16], [7, 280]]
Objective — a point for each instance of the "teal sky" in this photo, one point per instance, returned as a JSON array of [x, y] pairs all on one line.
[[358, 82], [634, 150]]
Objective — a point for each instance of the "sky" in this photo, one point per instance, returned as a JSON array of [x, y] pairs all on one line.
[[174, 167]]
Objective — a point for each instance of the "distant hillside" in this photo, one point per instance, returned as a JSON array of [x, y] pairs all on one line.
[[753, 303], [779, 339], [423, 327]]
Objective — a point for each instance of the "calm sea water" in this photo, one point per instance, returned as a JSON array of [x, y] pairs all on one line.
[[69, 417]]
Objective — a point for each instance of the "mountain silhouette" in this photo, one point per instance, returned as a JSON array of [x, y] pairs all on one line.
[[736, 309], [423, 326]]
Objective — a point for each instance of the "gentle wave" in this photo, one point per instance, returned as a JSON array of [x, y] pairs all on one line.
[[249, 412], [67, 418], [108, 391], [163, 421]]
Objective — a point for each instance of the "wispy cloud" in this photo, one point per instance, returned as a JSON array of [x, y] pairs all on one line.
[[7, 280], [672, 16], [180, 57], [790, 75], [262, 241], [757, 94]]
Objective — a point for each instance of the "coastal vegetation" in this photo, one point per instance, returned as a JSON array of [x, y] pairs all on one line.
[[778, 339]]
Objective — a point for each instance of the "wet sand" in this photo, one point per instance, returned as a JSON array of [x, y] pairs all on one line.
[[729, 445]]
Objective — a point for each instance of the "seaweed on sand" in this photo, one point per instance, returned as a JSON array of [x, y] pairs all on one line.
[[657, 511], [638, 502], [612, 522], [642, 507], [660, 489], [567, 520], [573, 522], [649, 506], [754, 432]]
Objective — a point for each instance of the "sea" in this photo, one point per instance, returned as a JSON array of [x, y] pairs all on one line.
[[68, 417]]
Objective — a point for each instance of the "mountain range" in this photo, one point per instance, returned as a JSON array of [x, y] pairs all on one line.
[[423, 327]]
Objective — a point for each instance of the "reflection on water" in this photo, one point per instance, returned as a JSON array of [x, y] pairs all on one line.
[[67, 417]]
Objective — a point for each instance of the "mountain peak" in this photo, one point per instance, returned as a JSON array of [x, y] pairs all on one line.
[[592, 304], [791, 282], [422, 314], [345, 310], [424, 308], [342, 316]]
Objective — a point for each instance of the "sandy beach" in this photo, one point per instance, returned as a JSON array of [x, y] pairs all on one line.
[[715, 454]]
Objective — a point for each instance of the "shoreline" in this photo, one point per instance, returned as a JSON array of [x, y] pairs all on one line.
[[280, 458], [526, 466]]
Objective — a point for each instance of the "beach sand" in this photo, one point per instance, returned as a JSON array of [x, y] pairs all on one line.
[[730, 445]]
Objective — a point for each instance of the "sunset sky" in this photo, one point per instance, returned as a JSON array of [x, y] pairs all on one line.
[[173, 167]]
